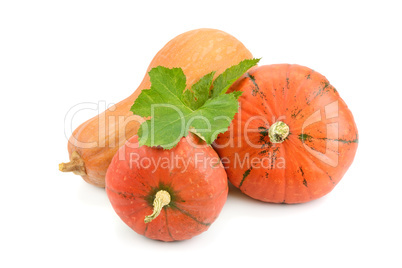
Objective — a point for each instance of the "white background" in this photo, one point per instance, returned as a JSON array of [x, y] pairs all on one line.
[[56, 54]]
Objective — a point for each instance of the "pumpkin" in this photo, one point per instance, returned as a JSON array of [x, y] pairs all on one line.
[[198, 52], [167, 194], [293, 138]]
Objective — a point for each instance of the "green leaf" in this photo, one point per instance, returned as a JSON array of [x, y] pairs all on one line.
[[220, 112], [167, 86], [175, 111], [172, 80], [169, 124], [237, 94], [230, 75], [199, 92]]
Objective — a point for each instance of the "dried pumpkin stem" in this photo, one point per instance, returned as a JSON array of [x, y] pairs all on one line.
[[162, 198], [278, 132], [76, 165]]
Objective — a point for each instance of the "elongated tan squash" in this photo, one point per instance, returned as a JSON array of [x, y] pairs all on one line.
[[93, 144]]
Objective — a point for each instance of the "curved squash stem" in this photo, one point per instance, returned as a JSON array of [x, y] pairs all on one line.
[[278, 132], [76, 165], [162, 198]]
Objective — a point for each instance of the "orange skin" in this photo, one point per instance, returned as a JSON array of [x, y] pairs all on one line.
[[315, 155], [197, 52], [198, 189]]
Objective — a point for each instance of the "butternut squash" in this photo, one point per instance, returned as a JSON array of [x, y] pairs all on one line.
[[93, 144]]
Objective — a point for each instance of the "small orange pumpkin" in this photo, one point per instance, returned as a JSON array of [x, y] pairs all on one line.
[[167, 194]]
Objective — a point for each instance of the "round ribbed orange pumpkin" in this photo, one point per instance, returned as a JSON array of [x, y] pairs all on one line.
[[293, 138]]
